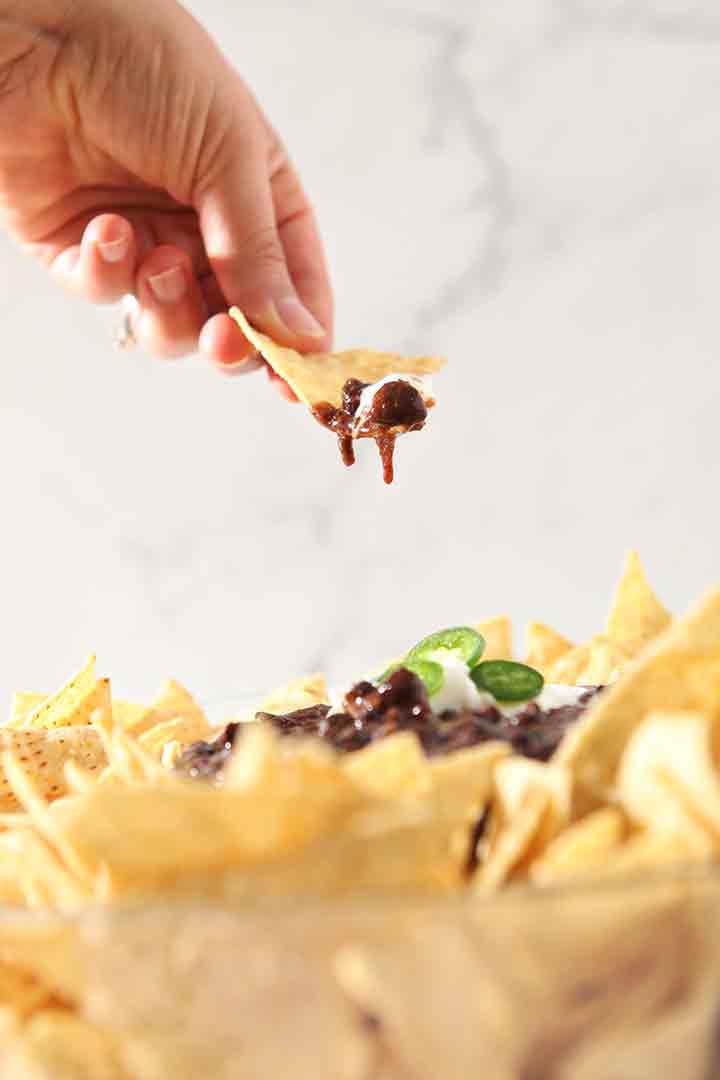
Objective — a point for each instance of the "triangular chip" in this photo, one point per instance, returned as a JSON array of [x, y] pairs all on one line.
[[568, 669], [129, 715], [667, 778], [22, 704], [544, 646], [60, 1044], [498, 638], [182, 729], [318, 377], [636, 615], [44, 753], [172, 702], [679, 671], [394, 766], [73, 704], [605, 662], [298, 694], [582, 848]]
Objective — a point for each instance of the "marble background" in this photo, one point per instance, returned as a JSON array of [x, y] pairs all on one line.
[[529, 187]]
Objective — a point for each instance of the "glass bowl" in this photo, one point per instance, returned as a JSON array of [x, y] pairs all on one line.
[[611, 980]]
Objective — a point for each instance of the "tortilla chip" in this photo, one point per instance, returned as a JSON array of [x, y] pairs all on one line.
[[130, 715], [22, 705], [393, 766], [513, 840], [59, 1044], [605, 662], [44, 754], [580, 848], [298, 694], [569, 668], [650, 851], [668, 781], [72, 704], [20, 995], [498, 638], [531, 805], [173, 702], [544, 646], [183, 730], [636, 615], [320, 377], [678, 672]]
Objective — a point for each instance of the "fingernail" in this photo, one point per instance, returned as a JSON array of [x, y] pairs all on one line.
[[297, 318], [113, 251], [168, 286]]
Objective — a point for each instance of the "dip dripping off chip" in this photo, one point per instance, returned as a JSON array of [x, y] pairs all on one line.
[[356, 394]]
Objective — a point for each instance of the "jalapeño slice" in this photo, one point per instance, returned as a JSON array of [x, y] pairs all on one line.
[[460, 641], [431, 673], [507, 680]]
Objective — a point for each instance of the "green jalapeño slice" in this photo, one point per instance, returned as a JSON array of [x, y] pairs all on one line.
[[507, 680], [460, 641], [431, 673]]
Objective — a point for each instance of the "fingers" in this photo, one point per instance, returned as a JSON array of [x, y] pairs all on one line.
[[237, 214], [102, 266], [300, 238], [172, 308], [222, 341]]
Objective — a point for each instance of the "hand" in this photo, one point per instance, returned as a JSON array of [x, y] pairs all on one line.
[[133, 158]]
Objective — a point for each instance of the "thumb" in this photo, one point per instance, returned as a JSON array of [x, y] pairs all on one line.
[[237, 218]]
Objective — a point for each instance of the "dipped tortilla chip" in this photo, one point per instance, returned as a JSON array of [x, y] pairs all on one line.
[[498, 638], [318, 377], [636, 615]]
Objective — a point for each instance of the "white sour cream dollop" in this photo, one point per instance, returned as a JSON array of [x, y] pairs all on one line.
[[460, 692]]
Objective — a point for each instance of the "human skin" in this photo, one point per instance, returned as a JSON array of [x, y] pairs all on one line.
[[134, 159]]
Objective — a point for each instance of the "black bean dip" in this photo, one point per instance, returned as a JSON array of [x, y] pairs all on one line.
[[401, 704], [396, 407]]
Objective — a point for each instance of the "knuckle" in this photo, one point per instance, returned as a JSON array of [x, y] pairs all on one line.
[[264, 250]]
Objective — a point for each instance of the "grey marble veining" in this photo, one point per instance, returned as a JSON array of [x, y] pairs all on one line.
[[530, 188]]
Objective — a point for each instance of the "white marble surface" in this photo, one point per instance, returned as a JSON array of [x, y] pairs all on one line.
[[530, 187]]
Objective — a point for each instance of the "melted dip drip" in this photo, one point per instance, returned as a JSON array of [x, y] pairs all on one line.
[[395, 407]]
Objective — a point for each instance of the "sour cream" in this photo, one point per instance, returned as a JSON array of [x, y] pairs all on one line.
[[459, 692]]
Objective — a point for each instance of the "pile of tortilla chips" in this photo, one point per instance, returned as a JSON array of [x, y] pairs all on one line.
[[92, 812]]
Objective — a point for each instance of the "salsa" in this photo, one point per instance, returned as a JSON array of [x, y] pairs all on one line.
[[400, 703], [395, 408]]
